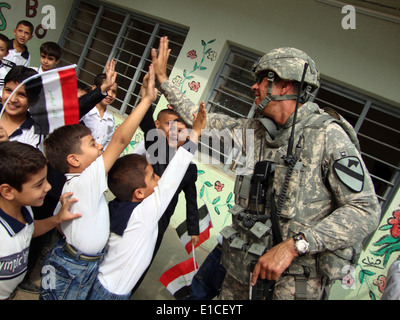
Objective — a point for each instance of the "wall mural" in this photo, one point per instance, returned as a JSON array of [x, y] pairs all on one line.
[[368, 280], [213, 197], [3, 21], [198, 66]]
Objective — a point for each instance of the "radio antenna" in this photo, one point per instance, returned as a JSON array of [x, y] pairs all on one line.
[[291, 139]]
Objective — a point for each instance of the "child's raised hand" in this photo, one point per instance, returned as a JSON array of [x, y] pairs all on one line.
[[148, 89], [111, 76], [160, 60], [199, 121]]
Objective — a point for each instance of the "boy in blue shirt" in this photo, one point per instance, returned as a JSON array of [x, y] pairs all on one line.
[[23, 184]]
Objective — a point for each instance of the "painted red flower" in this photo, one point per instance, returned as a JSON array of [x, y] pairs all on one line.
[[395, 222], [194, 86], [218, 186], [192, 54], [380, 282]]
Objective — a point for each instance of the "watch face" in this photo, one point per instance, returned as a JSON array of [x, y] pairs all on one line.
[[302, 246]]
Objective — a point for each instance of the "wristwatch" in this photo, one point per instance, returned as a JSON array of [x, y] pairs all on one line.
[[300, 244]]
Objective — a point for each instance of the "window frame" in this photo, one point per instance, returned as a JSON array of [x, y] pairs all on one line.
[[117, 46]]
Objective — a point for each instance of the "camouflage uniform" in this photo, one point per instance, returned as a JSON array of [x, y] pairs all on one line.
[[333, 207]]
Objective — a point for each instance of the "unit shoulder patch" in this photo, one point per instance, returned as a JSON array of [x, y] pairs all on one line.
[[350, 172]]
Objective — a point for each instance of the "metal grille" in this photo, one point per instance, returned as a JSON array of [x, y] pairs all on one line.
[[376, 124], [95, 33], [230, 94]]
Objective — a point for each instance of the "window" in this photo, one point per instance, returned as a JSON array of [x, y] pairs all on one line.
[[95, 33], [375, 122], [230, 94]]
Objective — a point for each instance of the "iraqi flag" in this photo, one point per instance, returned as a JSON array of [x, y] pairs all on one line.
[[205, 224], [58, 102], [178, 279]]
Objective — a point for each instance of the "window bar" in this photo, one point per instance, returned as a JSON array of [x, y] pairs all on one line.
[[89, 39], [118, 39], [361, 118], [139, 67]]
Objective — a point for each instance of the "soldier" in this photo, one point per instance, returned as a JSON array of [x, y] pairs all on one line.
[[318, 201]]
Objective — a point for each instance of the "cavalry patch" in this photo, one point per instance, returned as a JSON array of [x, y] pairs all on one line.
[[350, 172]]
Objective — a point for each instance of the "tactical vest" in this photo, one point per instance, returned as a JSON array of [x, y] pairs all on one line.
[[307, 201]]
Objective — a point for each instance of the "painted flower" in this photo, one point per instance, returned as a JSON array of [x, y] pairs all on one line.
[[192, 54], [380, 282], [395, 230], [212, 55], [218, 186], [177, 80], [194, 86], [348, 280]]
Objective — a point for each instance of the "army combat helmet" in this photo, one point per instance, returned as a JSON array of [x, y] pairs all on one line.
[[288, 64]]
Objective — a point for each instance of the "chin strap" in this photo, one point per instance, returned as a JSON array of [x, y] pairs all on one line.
[[270, 97]]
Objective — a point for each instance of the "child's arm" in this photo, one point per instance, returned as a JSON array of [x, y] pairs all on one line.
[[123, 135], [88, 101], [45, 225]]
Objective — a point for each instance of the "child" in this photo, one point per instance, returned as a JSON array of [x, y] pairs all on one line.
[[50, 55], [141, 199], [18, 51], [99, 119], [170, 128], [83, 88], [5, 66], [16, 122], [73, 151], [57, 180], [22, 184]]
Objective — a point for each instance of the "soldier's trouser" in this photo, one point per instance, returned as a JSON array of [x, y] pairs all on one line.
[[285, 289]]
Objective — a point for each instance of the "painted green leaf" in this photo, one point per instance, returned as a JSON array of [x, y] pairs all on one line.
[[386, 240], [202, 192], [216, 200], [385, 227]]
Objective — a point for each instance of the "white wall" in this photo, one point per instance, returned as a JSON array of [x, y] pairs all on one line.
[[364, 59]]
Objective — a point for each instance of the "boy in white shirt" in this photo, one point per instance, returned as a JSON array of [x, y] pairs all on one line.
[[50, 55], [23, 184], [73, 151], [18, 51], [141, 199], [99, 119], [16, 123]]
